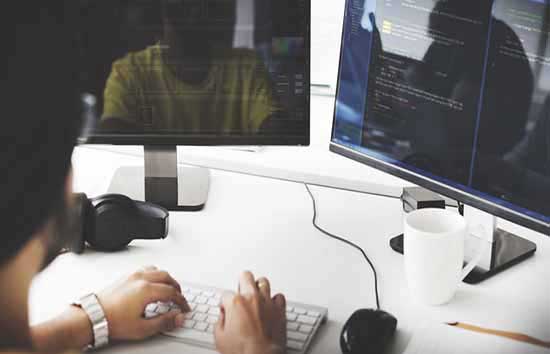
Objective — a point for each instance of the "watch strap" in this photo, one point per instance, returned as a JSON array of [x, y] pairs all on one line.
[[100, 327]]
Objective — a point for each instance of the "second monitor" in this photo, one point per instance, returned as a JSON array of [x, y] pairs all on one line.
[[186, 72]]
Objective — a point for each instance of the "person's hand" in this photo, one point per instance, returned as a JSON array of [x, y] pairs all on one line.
[[124, 305], [252, 322]]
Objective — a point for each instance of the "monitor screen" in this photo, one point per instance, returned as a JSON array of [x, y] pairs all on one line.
[[195, 71], [452, 94]]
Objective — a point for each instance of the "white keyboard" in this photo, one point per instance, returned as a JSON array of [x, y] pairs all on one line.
[[303, 321]]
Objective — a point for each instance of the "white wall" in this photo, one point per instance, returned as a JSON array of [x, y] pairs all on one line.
[[326, 31]]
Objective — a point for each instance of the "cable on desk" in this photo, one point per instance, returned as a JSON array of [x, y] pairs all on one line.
[[349, 243]]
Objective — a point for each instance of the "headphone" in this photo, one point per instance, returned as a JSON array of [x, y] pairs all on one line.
[[110, 222]]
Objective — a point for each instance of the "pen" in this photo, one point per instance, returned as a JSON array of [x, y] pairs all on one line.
[[510, 335]]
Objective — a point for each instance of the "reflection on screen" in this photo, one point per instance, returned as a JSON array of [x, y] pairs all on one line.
[[216, 67], [456, 90]]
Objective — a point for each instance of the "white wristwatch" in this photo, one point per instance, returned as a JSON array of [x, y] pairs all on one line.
[[100, 327]]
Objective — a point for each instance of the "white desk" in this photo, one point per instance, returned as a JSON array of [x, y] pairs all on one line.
[[265, 226]]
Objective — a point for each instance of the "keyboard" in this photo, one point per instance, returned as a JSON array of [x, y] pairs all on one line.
[[303, 321]]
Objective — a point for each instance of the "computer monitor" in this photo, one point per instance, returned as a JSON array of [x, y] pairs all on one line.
[[163, 73], [453, 96]]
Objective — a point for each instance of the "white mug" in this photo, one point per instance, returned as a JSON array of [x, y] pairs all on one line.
[[434, 254]]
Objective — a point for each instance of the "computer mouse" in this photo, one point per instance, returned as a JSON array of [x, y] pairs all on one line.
[[367, 331]]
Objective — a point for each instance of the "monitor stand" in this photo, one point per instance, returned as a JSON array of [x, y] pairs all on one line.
[[163, 181], [506, 249]]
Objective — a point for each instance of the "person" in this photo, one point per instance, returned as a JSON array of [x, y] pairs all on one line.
[[424, 104], [191, 81], [41, 107]]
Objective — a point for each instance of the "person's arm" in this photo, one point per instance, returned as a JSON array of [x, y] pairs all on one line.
[[72, 329], [124, 305], [120, 100], [263, 108], [252, 322]]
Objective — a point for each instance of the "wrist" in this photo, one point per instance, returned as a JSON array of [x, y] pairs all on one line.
[[264, 348], [80, 328], [97, 320]]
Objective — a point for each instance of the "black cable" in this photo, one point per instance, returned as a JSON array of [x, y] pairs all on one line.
[[349, 243], [461, 208]]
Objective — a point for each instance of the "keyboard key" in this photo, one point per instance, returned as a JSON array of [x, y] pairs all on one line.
[[213, 302], [202, 308], [300, 311], [201, 326], [195, 291], [306, 329], [212, 319], [292, 326], [190, 297], [291, 317], [300, 337], [214, 311], [210, 329], [151, 307], [193, 307], [189, 324], [208, 293], [149, 314], [201, 300], [291, 344], [162, 308], [200, 317], [314, 314], [307, 320], [192, 335], [189, 315], [289, 309]]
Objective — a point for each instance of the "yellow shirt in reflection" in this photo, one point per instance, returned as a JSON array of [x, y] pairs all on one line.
[[235, 97]]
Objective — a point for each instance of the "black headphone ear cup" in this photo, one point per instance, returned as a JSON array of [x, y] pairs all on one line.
[[113, 226], [82, 223]]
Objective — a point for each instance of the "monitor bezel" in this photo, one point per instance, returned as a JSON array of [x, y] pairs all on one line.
[[219, 140], [445, 190], [426, 182]]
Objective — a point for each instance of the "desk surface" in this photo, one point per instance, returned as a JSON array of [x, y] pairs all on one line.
[[264, 225]]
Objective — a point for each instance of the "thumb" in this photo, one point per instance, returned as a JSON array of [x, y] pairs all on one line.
[[279, 319], [218, 331], [163, 323]]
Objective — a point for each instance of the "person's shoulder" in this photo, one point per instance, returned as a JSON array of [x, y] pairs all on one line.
[[139, 59], [240, 56]]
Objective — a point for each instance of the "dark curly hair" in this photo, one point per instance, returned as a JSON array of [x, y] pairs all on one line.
[[40, 112]]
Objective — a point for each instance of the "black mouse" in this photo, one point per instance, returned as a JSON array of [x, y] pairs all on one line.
[[367, 332]]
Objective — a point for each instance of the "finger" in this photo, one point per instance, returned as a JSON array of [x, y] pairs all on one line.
[[149, 268], [165, 293], [247, 284], [279, 319], [227, 301], [162, 323], [264, 287], [159, 276], [218, 330]]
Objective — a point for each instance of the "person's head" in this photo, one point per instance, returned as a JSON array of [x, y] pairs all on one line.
[[196, 25], [456, 16], [40, 122]]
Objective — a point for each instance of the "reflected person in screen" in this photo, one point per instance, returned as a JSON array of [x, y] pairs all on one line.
[[192, 80], [36, 188], [446, 135]]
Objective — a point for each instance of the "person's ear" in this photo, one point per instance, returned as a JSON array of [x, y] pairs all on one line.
[[69, 186]]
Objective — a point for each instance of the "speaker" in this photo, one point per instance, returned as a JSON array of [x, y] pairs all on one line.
[[110, 222]]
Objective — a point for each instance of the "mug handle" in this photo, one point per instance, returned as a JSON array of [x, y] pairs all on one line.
[[485, 244]]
